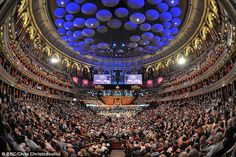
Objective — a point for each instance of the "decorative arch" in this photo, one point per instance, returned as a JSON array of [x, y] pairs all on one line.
[[37, 41], [47, 50], [178, 56], [214, 6], [56, 55], [205, 30], [22, 6], [150, 67], [31, 32], [66, 62], [210, 19], [85, 67], [188, 50], [197, 43], [25, 19], [159, 66], [76, 65], [170, 61]]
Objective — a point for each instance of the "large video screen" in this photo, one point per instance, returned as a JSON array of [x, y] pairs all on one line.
[[102, 79], [133, 79]]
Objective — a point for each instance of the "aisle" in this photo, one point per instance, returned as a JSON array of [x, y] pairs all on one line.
[[117, 153]]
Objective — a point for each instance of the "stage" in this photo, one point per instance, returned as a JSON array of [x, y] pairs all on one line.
[[117, 100]]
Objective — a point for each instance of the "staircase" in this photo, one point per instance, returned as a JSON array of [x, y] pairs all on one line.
[[117, 153]]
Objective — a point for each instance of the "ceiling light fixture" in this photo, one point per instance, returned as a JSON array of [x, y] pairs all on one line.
[[54, 60], [182, 61]]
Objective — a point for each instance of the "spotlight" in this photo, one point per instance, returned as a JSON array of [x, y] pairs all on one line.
[[182, 61], [54, 60], [123, 45], [114, 44], [74, 99]]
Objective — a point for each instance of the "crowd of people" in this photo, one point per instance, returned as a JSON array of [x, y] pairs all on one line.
[[190, 129], [146, 97], [62, 129], [187, 129], [117, 111]]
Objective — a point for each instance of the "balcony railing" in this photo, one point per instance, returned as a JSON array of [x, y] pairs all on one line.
[[7, 78], [229, 78], [222, 59]]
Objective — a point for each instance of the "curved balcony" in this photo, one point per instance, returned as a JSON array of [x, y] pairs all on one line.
[[7, 78], [229, 78], [220, 61], [16, 63]]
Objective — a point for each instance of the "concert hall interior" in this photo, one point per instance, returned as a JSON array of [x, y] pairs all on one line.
[[118, 78]]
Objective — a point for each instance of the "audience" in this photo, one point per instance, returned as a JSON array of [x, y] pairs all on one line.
[[189, 129]]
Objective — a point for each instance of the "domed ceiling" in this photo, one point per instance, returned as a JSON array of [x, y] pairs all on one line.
[[117, 33], [117, 28]]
